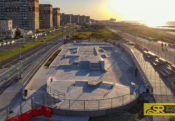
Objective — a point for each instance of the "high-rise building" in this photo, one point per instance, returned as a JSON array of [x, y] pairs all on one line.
[[87, 19], [76, 19], [66, 19], [24, 13], [82, 20], [56, 17], [46, 16]]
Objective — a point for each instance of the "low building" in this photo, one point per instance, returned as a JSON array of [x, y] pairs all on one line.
[[56, 17], [6, 25], [112, 20], [25, 32], [6, 29], [46, 16]]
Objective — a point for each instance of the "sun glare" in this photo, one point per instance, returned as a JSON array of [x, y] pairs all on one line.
[[154, 23], [152, 12]]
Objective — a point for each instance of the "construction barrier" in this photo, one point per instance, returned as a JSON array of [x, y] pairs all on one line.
[[43, 110]]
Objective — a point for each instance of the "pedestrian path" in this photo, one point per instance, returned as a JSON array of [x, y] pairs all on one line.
[[159, 87], [161, 91]]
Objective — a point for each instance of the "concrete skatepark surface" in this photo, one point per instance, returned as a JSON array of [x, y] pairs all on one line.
[[70, 74], [38, 83]]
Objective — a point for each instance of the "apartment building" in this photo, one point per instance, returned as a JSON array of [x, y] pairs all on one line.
[[46, 16], [23, 13], [66, 19], [76, 19], [56, 17]]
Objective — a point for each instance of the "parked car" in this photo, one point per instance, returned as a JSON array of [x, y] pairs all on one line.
[[12, 42], [8, 43], [4, 43]]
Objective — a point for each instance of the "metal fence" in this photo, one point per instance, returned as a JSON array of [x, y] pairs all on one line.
[[78, 104], [15, 69], [83, 105]]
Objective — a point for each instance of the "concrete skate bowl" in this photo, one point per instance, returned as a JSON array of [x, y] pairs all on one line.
[[62, 105]]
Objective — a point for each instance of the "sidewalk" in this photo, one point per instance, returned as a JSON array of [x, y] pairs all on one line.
[[164, 52], [7, 97], [159, 86]]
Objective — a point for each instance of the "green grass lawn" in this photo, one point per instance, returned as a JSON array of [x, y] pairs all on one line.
[[97, 34], [174, 82], [45, 30], [9, 53], [81, 35], [156, 34]]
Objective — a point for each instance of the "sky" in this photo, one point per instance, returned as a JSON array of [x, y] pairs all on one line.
[[94, 8], [152, 12]]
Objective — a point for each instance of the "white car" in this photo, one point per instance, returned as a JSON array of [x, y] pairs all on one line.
[[12, 42], [4, 43], [8, 43]]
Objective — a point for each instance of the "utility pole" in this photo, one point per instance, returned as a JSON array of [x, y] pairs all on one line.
[[20, 67], [20, 60], [63, 35]]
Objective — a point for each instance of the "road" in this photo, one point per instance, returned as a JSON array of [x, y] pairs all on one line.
[[12, 94], [27, 40], [165, 52], [4, 65], [26, 57]]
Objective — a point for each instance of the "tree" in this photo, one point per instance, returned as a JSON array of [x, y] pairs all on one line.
[[18, 34]]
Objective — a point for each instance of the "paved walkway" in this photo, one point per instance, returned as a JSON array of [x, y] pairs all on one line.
[[6, 98], [164, 52], [159, 86]]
